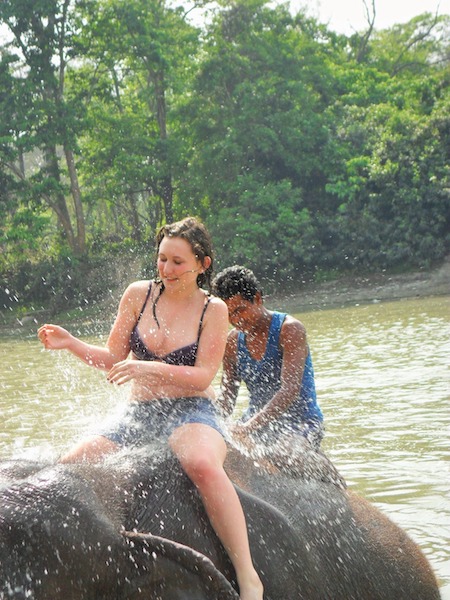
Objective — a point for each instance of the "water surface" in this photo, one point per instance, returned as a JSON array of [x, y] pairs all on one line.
[[383, 381]]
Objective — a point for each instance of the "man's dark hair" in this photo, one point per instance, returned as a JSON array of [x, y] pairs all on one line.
[[236, 280]]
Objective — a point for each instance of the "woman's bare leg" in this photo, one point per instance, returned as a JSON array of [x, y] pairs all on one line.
[[92, 449], [201, 451]]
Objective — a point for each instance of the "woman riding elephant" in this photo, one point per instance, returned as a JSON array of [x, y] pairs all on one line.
[[176, 333]]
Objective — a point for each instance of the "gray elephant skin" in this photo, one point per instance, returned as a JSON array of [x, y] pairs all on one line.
[[134, 527]]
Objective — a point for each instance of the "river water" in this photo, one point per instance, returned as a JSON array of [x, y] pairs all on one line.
[[383, 381]]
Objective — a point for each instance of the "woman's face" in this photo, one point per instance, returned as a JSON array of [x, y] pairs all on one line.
[[177, 263]]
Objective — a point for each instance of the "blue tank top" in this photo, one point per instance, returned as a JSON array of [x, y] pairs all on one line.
[[263, 377]]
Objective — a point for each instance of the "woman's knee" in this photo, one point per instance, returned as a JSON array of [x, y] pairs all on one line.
[[201, 451], [201, 469]]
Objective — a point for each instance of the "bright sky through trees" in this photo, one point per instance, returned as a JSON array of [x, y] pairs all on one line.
[[347, 16]]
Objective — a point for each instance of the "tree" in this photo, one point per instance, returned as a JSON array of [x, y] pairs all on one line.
[[141, 53], [257, 117], [412, 48], [389, 181], [44, 125]]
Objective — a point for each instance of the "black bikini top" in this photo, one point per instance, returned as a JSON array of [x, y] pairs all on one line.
[[184, 356]]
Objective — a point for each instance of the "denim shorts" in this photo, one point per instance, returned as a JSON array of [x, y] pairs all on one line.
[[144, 422]]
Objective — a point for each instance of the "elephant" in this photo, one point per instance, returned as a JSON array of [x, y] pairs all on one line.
[[134, 527], [63, 534], [62, 537], [356, 550]]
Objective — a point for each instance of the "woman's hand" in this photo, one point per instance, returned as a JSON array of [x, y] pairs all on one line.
[[144, 371], [54, 337]]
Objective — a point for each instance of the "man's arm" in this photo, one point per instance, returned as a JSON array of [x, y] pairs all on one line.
[[230, 383], [294, 344]]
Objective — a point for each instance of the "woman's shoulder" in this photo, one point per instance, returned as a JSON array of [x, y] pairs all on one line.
[[139, 286], [217, 303], [137, 291], [217, 309]]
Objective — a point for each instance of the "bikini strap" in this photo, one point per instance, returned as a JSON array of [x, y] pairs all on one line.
[[200, 325], [155, 302], [145, 302]]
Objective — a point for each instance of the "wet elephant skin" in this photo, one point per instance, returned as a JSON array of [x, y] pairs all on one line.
[[63, 537]]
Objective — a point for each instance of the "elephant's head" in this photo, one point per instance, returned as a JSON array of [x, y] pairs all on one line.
[[58, 541]]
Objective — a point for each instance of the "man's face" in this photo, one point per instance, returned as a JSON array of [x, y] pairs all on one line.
[[240, 312]]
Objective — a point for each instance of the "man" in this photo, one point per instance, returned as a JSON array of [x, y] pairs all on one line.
[[268, 351]]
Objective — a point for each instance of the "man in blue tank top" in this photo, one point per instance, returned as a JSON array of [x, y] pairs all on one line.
[[268, 351]]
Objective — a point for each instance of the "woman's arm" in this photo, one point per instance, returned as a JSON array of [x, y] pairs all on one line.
[[55, 337], [154, 374], [117, 347]]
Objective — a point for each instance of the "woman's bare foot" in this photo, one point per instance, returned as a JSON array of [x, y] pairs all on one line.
[[251, 588]]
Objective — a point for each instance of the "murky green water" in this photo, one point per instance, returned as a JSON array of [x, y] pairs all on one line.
[[383, 379]]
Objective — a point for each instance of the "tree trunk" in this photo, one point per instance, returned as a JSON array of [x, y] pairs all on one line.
[[166, 191], [134, 216], [80, 238], [57, 200], [165, 186]]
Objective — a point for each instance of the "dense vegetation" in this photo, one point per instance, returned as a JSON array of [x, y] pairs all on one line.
[[306, 152]]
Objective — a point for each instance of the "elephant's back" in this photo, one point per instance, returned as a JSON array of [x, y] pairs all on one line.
[[359, 552], [388, 549]]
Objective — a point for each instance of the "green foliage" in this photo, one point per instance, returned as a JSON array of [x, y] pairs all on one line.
[[140, 54], [269, 229], [394, 188], [411, 48], [20, 235], [63, 281], [306, 152]]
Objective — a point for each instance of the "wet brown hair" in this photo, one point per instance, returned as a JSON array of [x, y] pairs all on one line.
[[195, 233]]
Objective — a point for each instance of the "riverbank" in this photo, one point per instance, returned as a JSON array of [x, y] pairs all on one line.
[[362, 290], [312, 296]]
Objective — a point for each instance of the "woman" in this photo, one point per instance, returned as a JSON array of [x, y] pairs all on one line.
[[176, 334]]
